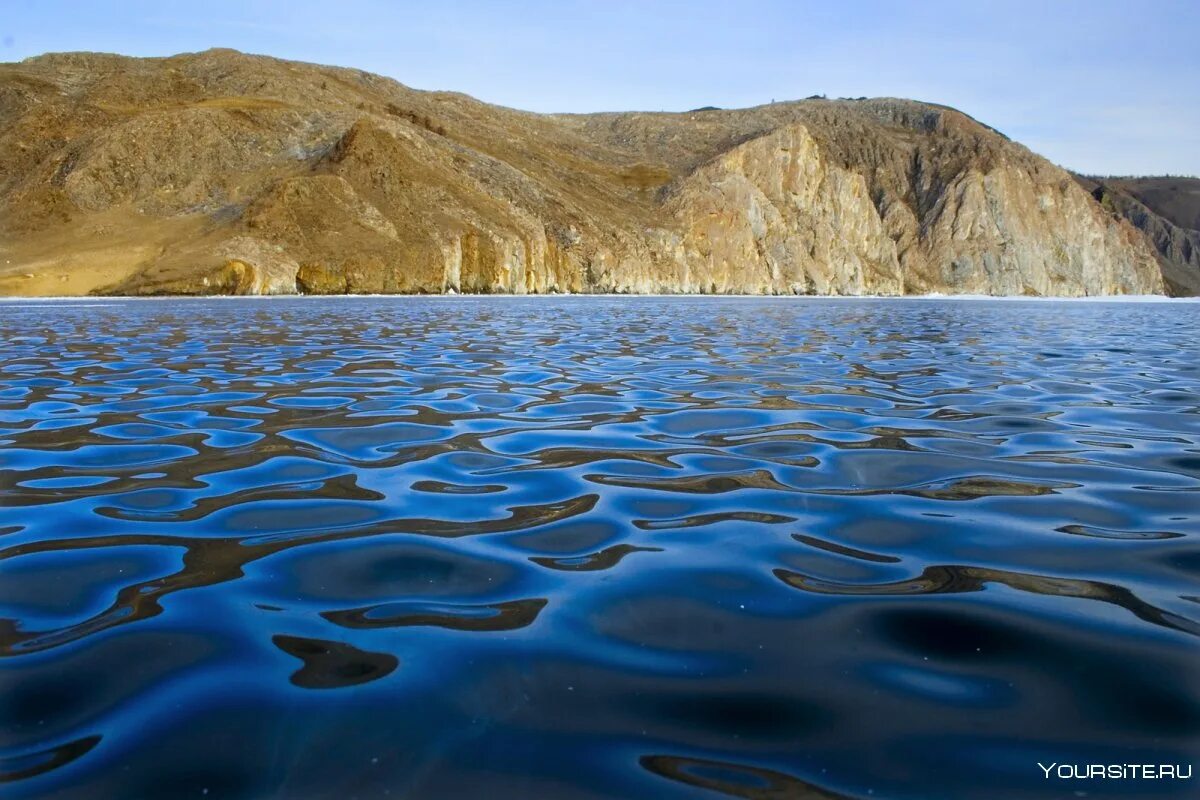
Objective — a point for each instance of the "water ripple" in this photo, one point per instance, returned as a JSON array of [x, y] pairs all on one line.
[[590, 547]]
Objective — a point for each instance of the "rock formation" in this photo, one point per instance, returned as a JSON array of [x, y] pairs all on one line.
[[226, 173], [1167, 210]]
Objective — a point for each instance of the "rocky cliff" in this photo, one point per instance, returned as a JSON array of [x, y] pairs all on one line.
[[220, 172], [1167, 210]]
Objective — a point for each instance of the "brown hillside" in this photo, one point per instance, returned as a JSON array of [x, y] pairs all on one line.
[[220, 172]]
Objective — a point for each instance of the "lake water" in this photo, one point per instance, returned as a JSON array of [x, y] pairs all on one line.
[[597, 547]]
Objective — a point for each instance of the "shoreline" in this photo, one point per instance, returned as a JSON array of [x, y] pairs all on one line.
[[1117, 298]]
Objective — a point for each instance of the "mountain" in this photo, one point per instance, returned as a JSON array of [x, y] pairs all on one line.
[[1167, 210], [220, 172]]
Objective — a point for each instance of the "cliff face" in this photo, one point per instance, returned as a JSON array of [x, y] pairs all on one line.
[[220, 172], [1167, 211]]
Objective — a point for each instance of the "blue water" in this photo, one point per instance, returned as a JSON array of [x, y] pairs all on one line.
[[597, 547]]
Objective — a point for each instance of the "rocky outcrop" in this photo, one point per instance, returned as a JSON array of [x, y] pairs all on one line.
[[779, 203], [224, 173], [816, 227], [1177, 245]]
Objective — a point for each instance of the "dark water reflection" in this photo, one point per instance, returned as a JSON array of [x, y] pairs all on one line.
[[593, 547]]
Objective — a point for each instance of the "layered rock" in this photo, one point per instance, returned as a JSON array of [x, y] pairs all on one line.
[[231, 174]]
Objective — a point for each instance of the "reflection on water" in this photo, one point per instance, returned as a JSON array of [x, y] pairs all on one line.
[[590, 547], [333, 665]]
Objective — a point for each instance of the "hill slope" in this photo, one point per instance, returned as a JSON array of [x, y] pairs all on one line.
[[1167, 210], [219, 172]]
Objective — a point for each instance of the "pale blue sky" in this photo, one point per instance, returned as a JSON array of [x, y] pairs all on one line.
[[1098, 86]]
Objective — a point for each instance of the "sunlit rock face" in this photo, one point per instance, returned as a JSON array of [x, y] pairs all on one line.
[[775, 215], [222, 173]]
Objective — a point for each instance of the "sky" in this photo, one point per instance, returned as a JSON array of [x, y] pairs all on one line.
[[1099, 87]]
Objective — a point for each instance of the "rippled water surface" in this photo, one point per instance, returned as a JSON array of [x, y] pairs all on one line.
[[596, 547]]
